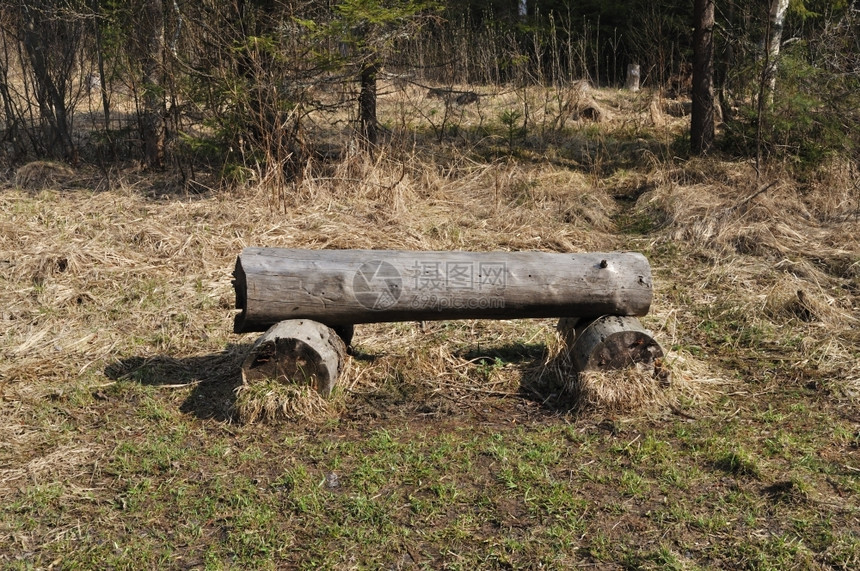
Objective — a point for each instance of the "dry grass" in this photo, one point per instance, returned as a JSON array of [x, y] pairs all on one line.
[[678, 381], [96, 277], [619, 391], [65, 462], [271, 401], [675, 381], [41, 175], [805, 300], [117, 312], [783, 255], [719, 205]]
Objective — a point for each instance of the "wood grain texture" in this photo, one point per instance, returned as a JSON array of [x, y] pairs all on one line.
[[298, 351], [609, 342], [345, 287]]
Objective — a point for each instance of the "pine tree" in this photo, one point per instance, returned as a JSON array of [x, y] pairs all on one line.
[[702, 120], [369, 29]]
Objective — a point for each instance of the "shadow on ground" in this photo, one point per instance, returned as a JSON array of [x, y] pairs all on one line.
[[541, 381], [214, 378], [517, 353]]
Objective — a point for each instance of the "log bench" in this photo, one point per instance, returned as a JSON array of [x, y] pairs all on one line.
[[308, 301]]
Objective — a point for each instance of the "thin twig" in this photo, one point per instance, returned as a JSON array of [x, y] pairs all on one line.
[[179, 385], [681, 413], [747, 200]]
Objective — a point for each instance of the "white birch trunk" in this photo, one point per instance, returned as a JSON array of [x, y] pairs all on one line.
[[778, 8]]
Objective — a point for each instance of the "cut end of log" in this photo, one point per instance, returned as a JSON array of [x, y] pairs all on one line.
[[592, 112], [240, 286], [609, 343], [301, 352], [617, 364]]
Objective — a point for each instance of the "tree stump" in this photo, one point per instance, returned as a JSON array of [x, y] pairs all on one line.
[[609, 342], [589, 109], [632, 77], [658, 118], [297, 351]]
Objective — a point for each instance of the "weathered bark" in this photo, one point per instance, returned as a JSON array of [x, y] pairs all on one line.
[[154, 108], [608, 342], [367, 104], [702, 120], [300, 352], [343, 287]]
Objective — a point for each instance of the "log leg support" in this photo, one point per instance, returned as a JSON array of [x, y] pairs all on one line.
[[297, 351], [306, 352], [609, 342]]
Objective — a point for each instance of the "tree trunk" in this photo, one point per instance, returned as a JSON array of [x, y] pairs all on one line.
[[367, 104], [702, 119], [154, 108], [778, 9], [97, 28], [343, 287], [51, 45]]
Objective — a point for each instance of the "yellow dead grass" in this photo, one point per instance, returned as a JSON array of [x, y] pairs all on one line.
[[89, 278], [271, 401], [678, 381], [64, 462], [783, 255], [721, 207], [41, 175]]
